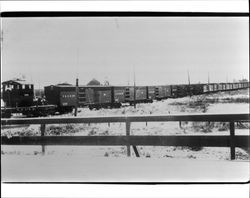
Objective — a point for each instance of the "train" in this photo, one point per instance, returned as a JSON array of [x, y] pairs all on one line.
[[62, 98]]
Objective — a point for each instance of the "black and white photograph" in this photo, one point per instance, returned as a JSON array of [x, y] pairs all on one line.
[[124, 97]]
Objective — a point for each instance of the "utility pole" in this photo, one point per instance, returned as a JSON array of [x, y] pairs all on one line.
[[134, 91], [76, 104], [208, 80], [189, 84], [77, 89], [128, 78]]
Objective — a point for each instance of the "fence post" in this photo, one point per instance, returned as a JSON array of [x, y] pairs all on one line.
[[43, 134], [128, 134], [180, 125], [232, 140], [136, 151]]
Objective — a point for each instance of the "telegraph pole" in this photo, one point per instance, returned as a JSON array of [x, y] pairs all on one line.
[[134, 91], [77, 89], [76, 104], [189, 84]]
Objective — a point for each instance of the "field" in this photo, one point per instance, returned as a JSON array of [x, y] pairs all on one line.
[[223, 102]]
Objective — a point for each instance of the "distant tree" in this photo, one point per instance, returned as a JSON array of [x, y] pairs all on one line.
[[94, 82], [243, 80]]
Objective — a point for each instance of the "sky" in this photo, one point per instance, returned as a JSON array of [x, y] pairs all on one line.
[[158, 50]]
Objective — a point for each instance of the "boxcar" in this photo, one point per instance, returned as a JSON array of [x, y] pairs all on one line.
[[151, 92], [97, 95], [62, 95], [228, 86], [231, 86], [224, 86], [163, 92], [210, 87], [220, 87], [205, 88], [141, 94], [103, 96], [234, 86], [196, 89], [216, 87], [246, 84], [119, 94], [180, 90]]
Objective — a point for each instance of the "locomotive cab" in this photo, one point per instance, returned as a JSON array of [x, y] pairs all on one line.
[[17, 93]]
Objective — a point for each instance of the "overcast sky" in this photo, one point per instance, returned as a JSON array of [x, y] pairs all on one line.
[[159, 49]]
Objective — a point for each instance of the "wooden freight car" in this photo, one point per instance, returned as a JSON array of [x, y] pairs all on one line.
[[119, 94], [180, 91], [102, 97], [151, 92], [163, 92], [138, 94], [196, 89], [61, 95]]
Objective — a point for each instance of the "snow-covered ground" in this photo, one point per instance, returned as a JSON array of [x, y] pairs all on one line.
[[223, 102], [54, 168]]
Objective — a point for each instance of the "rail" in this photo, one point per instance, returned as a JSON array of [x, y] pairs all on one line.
[[128, 140]]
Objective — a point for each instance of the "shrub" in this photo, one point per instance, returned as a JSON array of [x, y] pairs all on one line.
[[195, 148], [92, 132], [148, 155], [223, 126], [106, 154]]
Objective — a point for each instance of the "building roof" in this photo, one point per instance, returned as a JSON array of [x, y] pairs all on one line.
[[64, 84], [17, 81]]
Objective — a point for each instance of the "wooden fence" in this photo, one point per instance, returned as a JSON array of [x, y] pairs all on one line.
[[128, 140]]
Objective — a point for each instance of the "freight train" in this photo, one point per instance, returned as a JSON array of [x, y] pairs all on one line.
[[62, 98]]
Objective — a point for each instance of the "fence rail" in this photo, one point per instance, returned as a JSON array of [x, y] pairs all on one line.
[[192, 141], [231, 140], [141, 118]]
